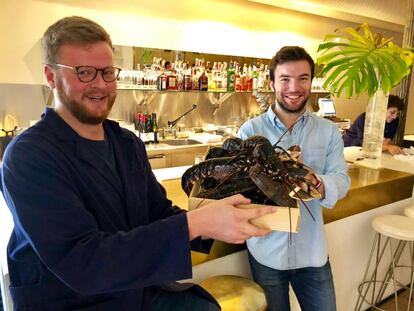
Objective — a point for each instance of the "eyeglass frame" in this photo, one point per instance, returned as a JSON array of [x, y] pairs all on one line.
[[76, 70]]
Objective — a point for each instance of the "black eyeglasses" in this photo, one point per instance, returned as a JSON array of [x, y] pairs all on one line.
[[88, 73]]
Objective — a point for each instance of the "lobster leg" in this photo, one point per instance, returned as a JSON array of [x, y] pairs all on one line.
[[270, 188]]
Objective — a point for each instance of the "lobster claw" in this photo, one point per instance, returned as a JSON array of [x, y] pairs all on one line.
[[305, 191], [273, 190]]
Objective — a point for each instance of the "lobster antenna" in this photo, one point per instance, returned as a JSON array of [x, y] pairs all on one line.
[[304, 204], [288, 130]]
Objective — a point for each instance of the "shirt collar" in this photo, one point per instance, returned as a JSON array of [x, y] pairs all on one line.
[[275, 121]]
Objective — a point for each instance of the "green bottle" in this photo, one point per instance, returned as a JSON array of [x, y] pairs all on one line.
[[231, 76]]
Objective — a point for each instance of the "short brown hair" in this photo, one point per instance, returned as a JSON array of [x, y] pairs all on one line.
[[73, 29], [289, 54], [395, 101]]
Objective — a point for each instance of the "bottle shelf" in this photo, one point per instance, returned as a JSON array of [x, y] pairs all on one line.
[[189, 91]]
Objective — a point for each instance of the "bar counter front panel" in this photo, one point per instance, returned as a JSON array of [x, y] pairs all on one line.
[[373, 192]]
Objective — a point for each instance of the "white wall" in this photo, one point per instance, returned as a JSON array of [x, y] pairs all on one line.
[[212, 26]]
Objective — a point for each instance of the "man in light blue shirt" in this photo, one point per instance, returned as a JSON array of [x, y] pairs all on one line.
[[302, 261]]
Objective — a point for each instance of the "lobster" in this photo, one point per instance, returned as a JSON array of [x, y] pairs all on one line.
[[264, 173]]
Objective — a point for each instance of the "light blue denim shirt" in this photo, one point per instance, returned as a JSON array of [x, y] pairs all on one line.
[[322, 149]]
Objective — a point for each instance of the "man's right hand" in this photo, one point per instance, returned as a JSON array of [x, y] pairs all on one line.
[[222, 220]]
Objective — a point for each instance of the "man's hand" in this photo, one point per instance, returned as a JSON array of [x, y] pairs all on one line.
[[222, 220]]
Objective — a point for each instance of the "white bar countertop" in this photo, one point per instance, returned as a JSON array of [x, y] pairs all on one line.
[[353, 155], [170, 172]]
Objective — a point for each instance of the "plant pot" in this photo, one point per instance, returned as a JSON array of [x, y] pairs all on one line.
[[374, 125]]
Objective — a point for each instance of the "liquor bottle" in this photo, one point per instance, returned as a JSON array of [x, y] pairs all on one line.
[[243, 78], [255, 77], [154, 128], [260, 79], [180, 76], [203, 82], [162, 81], [148, 127], [217, 77], [224, 78], [212, 78], [143, 129], [237, 79], [194, 79], [249, 79], [266, 82], [135, 120], [171, 79], [230, 78]]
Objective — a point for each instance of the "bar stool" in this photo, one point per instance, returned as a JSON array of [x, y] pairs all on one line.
[[388, 227], [409, 211], [235, 293]]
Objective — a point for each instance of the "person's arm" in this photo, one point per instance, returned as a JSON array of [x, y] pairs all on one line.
[[335, 179], [391, 148], [389, 133]]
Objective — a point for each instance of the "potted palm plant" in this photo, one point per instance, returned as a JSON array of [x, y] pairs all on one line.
[[358, 60]]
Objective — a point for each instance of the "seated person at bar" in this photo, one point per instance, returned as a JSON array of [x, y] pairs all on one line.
[[355, 134], [93, 229]]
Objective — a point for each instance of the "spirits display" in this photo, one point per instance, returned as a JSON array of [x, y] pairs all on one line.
[[200, 76]]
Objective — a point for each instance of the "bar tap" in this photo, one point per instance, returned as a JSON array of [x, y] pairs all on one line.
[[171, 124]]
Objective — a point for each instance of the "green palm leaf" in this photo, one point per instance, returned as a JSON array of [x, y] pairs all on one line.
[[359, 60]]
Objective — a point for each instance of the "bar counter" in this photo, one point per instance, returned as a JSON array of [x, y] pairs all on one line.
[[373, 192], [370, 188]]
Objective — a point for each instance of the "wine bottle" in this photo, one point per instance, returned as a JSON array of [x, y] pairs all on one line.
[[154, 128]]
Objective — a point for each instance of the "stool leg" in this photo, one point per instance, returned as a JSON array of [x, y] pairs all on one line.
[[412, 274], [373, 279], [393, 277], [386, 281], [361, 297]]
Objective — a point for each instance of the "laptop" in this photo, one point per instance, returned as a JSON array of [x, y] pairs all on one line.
[[326, 108]]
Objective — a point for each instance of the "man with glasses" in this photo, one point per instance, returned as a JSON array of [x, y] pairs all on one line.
[[355, 134], [93, 228]]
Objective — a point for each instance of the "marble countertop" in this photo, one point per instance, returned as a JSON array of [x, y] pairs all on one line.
[[353, 155]]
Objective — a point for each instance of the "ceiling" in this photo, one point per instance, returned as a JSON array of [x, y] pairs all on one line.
[[389, 14]]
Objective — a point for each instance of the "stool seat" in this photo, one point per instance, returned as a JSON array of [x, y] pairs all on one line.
[[409, 211], [235, 293], [395, 226]]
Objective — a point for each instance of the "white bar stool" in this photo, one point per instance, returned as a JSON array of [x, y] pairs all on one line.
[[388, 227], [409, 211]]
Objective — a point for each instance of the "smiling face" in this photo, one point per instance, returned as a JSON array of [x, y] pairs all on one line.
[[292, 86], [87, 103], [392, 114]]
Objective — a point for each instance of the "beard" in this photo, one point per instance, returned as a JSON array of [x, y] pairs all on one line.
[[285, 107], [79, 110]]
